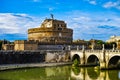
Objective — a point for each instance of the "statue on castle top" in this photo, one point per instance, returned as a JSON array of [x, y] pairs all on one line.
[[52, 16]]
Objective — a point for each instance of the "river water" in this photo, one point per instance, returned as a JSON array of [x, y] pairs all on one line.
[[60, 73]]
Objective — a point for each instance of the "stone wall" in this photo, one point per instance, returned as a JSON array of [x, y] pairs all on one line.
[[8, 46], [20, 57], [50, 47], [56, 36], [25, 45], [58, 56]]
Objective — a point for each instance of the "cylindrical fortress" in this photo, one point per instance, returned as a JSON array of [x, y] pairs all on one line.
[[51, 31]]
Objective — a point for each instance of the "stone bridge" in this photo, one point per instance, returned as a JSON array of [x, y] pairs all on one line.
[[104, 58]]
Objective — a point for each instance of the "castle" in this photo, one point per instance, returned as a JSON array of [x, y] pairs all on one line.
[[52, 34]]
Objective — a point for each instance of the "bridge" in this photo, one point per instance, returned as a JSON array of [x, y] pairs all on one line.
[[106, 59]]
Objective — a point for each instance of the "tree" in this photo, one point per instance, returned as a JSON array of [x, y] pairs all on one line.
[[75, 63], [100, 42], [0, 45], [110, 45]]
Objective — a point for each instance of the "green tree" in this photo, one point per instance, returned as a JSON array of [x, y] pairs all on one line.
[[110, 45], [100, 42], [76, 70], [75, 67], [75, 63]]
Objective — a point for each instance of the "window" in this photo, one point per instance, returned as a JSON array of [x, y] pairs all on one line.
[[60, 28], [58, 25]]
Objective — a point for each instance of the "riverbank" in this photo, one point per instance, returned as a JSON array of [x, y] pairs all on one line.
[[32, 65]]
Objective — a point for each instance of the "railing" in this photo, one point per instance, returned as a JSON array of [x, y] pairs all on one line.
[[99, 51], [113, 51], [87, 50]]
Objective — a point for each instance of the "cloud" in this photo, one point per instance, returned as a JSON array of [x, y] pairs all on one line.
[[112, 5], [108, 27], [81, 18], [106, 4], [85, 25], [51, 9], [36, 0], [93, 2], [11, 23]]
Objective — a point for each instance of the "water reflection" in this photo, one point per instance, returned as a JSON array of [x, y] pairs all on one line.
[[60, 73], [92, 73], [48, 73], [119, 74]]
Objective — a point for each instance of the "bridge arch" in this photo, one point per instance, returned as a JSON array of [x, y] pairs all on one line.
[[76, 56], [114, 61], [93, 59]]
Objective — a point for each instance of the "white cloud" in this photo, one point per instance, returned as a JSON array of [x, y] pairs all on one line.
[[112, 5], [36, 0], [11, 23], [82, 18], [51, 9], [108, 4], [85, 25], [93, 2]]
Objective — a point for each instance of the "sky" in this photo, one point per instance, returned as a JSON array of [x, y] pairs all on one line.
[[89, 19]]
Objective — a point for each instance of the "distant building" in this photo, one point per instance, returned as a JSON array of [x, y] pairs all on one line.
[[25, 45], [8, 46], [95, 44], [51, 31], [115, 39]]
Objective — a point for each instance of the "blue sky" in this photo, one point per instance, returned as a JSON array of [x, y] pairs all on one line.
[[90, 19]]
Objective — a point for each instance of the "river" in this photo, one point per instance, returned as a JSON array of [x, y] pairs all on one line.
[[60, 73]]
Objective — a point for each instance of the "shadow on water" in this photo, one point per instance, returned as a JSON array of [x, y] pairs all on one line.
[[60, 73]]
